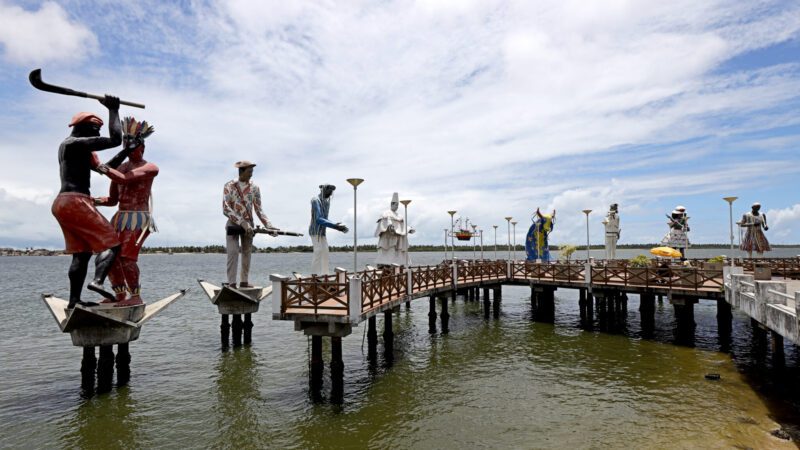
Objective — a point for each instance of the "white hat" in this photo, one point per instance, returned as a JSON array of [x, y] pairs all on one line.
[[395, 198]]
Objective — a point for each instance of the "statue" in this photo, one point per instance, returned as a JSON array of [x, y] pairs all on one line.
[[611, 223], [320, 206], [754, 238], [392, 233], [678, 227], [131, 188], [536, 246], [85, 230], [240, 197]]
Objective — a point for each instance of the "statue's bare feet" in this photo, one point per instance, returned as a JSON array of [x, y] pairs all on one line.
[[97, 287]]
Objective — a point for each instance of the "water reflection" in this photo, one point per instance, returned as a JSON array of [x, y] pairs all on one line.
[[106, 421], [239, 400]]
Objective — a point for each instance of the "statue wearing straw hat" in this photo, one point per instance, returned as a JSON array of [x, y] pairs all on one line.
[[678, 224], [240, 199], [392, 233]]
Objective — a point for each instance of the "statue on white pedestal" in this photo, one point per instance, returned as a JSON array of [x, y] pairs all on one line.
[[676, 237], [611, 222], [392, 233]]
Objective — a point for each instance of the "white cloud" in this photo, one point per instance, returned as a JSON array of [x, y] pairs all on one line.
[[783, 222], [491, 108], [46, 35]]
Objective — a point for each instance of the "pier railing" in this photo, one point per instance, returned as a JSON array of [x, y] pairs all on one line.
[[351, 295]]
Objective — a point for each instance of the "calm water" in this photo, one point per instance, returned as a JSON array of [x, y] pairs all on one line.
[[507, 383]]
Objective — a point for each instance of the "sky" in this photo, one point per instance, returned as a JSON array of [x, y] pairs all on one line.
[[491, 108]]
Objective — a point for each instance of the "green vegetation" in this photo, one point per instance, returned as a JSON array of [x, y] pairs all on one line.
[[640, 261], [717, 259], [567, 250]]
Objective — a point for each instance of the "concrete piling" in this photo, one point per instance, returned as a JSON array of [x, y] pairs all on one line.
[[237, 327], [432, 313], [123, 361], [105, 368], [372, 338], [225, 330], [445, 316], [248, 329], [388, 333], [337, 368], [88, 368], [317, 364]]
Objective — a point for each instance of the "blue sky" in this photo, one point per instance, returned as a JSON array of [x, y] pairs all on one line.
[[492, 108]]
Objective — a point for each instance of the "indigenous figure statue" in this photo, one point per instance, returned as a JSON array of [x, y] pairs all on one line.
[[320, 206], [130, 188], [392, 233], [611, 223], [240, 198], [754, 238], [536, 245], [85, 230], [676, 237]]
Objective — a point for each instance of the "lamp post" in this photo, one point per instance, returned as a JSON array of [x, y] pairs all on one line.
[[514, 233], [355, 182], [445, 244], [452, 227], [508, 220], [587, 211], [730, 201], [405, 211], [481, 232], [495, 241], [474, 241]]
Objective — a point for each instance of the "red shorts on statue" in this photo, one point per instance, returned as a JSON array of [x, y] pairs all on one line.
[[129, 248], [85, 229]]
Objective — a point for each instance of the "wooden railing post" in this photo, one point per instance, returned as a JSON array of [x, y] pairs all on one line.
[[278, 307], [455, 274], [354, 306]]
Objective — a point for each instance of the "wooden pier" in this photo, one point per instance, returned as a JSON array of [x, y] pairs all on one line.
[[332, 305]]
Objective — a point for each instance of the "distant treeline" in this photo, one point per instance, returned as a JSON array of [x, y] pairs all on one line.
[[413, 248]]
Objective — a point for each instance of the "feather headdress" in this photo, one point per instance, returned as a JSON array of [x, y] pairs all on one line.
[[131, 128]]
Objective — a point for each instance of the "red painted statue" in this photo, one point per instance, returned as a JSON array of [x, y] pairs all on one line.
[[131, 186], [86, 231]]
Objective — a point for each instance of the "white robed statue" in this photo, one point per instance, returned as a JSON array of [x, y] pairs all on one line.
[[392, 233]]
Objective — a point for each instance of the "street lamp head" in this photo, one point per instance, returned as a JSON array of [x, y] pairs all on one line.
[[452, 213], [587, 211], [405, 202], [509, 218], [514, 222], [355, 181], [474, 227], [730, 199], [495, 226]]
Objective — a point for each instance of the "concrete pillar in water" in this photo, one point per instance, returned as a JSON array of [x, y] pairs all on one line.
[[589, 307], [485, 293], [248, 328], [487, 304], [337, 367], [317, 364], [498, 297], [225, 330], [445, 317], [684, 316], [123, 360], [724, 317], [647, 310], [432, 313], [105, 368], [388, 334], [372, 338], [88, 367], [408, 305], [237, 330]]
